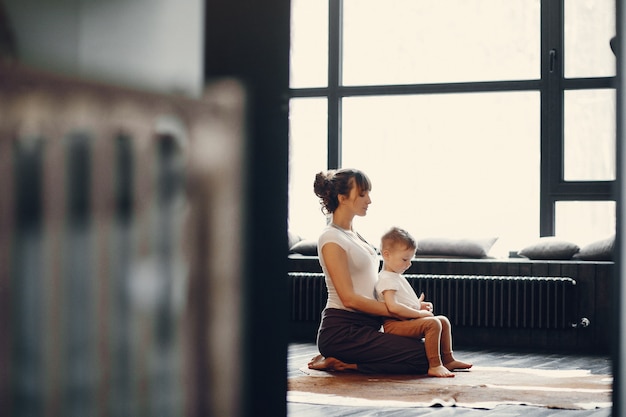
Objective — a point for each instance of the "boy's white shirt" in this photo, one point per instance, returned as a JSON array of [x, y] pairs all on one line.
[[405, 294]]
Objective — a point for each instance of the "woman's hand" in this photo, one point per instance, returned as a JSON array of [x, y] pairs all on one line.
[[426, 313]]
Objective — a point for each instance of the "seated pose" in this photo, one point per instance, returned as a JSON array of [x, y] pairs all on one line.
[[397, 249], [349, 336]]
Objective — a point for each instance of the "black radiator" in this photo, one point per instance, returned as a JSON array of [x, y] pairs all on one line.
[[308, 295], [467, 300], [500, 301]]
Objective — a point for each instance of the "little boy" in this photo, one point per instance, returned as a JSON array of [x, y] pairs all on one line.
[[417, 318]]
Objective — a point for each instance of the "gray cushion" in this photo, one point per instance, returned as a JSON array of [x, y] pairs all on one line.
[[600, 250], [454, 247], [550, 248], [305, 247], [292, 239]]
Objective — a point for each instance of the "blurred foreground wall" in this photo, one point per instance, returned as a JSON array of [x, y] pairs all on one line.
[[120, 217], [153, 45]]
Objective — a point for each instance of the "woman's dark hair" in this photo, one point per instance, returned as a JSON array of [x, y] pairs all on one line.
[[329, 185]]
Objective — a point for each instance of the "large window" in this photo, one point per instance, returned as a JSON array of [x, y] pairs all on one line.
[[417, 42], [472, 118]]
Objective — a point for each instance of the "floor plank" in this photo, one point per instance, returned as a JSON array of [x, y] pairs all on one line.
[[301, 353]]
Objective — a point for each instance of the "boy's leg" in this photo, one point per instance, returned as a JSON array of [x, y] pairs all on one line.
[[447, 355], [446, 335], [428, 327]]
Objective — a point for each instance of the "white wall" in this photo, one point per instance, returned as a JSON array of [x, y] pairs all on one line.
[[147, 44]]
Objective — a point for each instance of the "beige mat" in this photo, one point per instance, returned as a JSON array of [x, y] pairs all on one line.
[[480, 387]]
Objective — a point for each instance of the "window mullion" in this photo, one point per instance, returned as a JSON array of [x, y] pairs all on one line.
[[335, 8], [551, 110]]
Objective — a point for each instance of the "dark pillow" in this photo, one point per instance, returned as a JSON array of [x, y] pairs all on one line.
[[600, 250], [550, 248], [456, 247], [305, 247]]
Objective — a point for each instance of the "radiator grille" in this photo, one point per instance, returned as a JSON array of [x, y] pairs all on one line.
[[500, 301], [308, 295], [467, 300]]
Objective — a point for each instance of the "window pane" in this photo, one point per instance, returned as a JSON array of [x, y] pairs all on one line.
[[589, 26], [309, 44], [307, 156], [583, 222], [408, 41], [589, 135], [456, 165]]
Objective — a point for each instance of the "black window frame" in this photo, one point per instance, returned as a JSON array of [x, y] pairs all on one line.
[[551, 86]]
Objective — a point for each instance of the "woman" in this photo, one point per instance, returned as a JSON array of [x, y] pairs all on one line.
[[349, 336]]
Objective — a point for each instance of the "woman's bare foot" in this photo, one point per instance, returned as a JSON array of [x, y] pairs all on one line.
[[330, 364], [440, 372], [454, 364]]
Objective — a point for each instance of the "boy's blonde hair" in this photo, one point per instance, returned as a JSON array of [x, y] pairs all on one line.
[[397, 236]]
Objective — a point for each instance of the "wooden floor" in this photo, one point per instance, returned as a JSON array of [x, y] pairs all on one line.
[[300, 353]]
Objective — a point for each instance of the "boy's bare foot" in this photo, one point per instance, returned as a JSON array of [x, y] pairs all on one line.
[[454, 364], [330, 364], [440, 372]]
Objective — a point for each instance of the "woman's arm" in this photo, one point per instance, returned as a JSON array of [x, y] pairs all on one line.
[[336, 261], [402, 310]]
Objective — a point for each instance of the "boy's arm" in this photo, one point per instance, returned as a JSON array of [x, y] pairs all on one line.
[[425, 305], [401, 310]]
